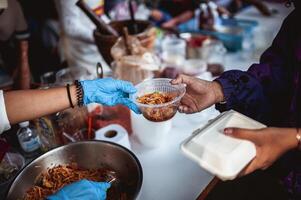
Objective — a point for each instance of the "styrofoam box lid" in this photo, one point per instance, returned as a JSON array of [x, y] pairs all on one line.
[[217, 153]]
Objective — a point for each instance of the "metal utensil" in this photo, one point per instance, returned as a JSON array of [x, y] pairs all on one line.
[[88, 155], [132, 14]]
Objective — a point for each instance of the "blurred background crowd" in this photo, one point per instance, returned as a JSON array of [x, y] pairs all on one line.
[[38, 37]]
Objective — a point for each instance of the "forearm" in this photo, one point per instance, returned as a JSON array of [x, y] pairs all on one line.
[[30, 104], [23, 78], [183, 17]]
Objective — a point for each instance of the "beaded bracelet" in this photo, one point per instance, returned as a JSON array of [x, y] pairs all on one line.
[[79, 93]]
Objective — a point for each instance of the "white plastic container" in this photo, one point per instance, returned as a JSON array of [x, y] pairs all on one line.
[[217, 153], [150, 134]]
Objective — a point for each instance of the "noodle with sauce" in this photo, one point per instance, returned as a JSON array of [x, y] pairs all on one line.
[[57, 177], [158, 114], [155, 98]]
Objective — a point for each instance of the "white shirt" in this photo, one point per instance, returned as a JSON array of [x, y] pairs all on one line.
[[77, 42], [4, 123]]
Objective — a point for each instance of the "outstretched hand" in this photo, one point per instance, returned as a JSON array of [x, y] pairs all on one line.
[[109, 92], [271, 143], [200, 94]]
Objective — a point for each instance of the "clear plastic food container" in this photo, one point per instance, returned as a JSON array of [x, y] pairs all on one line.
[[164, 111], [9, 167], [217, 153]]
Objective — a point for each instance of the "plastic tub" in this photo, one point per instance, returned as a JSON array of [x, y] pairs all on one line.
[[159, 112], [10, 165], [150, 134], [219, 154]]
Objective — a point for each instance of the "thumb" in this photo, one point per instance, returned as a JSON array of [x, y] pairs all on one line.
[[125, 86], [181, 79], [244, 134], [101, 189], [131, 105], [104, 186]]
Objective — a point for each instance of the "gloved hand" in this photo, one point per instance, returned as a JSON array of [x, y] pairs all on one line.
[[82, 190], [109, 92]]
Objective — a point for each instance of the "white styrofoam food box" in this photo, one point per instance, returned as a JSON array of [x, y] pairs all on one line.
[[222, 155]]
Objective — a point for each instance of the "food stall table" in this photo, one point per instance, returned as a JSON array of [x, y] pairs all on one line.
[[168, 174]]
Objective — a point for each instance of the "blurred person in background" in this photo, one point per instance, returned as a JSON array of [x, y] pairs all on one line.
[[269, 92], [171, 13], [44, 36], [235, 6], [14, 37], [77, 43]]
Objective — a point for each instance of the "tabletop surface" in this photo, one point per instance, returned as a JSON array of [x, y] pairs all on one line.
[[168, 174]]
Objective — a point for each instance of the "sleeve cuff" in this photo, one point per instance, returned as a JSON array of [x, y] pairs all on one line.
[[226, 86], [234, 84], [22, 35], [4, 123]]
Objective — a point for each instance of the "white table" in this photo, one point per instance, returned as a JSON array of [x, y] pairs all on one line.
[[168, 175]]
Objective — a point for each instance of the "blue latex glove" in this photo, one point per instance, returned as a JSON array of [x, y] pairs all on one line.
[[82, 190], [109, 92]]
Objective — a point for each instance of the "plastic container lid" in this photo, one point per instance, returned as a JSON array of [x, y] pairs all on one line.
[[24, 124], [217, 153]]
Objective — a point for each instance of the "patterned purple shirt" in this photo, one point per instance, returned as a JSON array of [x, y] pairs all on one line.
[[271, 90]]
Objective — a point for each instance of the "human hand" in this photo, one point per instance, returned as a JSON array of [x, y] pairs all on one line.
[[157, 14], [109, 92], [263, 9], [270, 143], [82, 190], [169, 24], [200, 94]]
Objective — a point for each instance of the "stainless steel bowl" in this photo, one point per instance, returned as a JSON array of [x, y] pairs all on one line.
[[89, 155]]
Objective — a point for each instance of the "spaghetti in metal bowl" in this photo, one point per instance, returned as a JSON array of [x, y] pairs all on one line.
[[57, 177]]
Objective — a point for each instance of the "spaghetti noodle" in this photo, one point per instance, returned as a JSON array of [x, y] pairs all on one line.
[[57, 177], [158, 113], [155, 98]]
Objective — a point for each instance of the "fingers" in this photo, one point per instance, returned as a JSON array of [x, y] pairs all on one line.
[[182, 79], [244, 134], [250, 168], [125, 86], [104, 185], [188, 106], [101, 185], [101, 189], [186, 110], [131, 105]]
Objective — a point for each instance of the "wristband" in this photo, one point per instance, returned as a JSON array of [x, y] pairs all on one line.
[[79, 93], [69, 96]]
